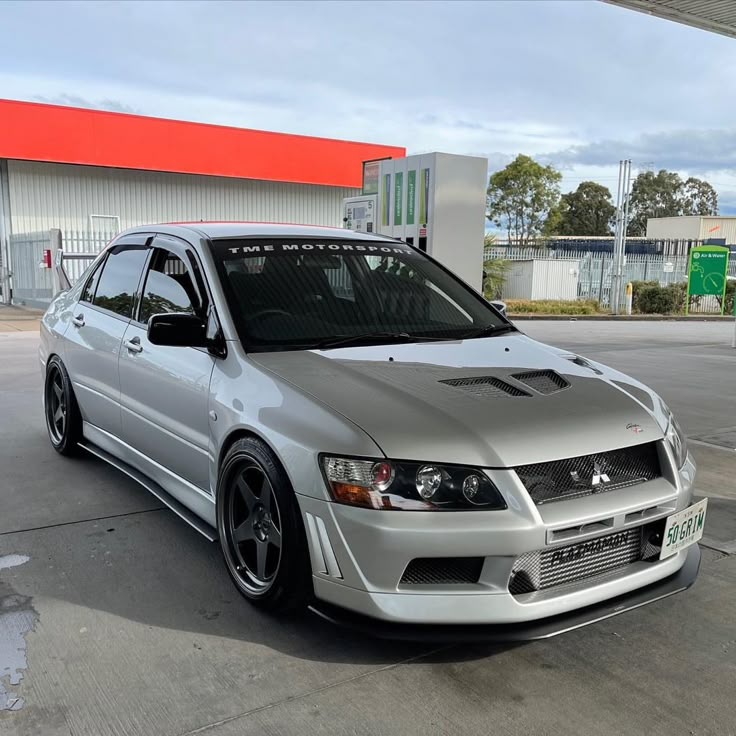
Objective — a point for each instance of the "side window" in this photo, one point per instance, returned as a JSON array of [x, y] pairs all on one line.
[[168, 287], [88, 292], [120, 277]]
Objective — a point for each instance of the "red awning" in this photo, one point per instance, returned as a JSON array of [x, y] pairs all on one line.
[[38, 132]]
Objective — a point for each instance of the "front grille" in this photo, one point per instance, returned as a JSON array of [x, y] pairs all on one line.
[[581, 476], [442, 571], [544, 382], [557, 566], [488, 386]]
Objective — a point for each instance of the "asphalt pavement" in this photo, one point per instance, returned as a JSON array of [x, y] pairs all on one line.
[[117, 618]]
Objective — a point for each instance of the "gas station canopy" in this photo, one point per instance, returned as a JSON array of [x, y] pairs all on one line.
[[717, 16]]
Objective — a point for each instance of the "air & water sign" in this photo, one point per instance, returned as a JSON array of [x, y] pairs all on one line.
[[707, 269]]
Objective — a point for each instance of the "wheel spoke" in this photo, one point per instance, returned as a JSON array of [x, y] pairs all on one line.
[[274, 537], [243, 532], [261, 555], [246, 493], [57, 390], [59, 413], [265, 496]]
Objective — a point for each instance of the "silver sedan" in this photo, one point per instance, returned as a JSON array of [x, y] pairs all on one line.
[[366, 436]]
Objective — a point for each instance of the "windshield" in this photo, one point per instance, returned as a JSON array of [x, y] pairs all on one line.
[[310, 293]]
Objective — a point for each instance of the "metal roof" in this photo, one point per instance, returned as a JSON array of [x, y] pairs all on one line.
[[31, 131], [717, 16]]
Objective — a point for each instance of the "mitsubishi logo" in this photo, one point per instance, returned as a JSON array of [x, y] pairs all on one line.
[[599, 477]]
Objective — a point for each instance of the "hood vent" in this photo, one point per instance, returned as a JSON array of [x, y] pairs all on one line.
[[488, 386], [544, 382]]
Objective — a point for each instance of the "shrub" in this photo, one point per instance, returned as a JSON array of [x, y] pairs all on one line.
[[495, 271], [637, 286], [730, 293], [550, 306], [656, 299]]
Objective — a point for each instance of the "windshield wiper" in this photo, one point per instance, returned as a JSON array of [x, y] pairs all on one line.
[[489, 331], [344, 340]]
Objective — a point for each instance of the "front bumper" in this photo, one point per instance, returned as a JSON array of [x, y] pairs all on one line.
[[527, 631], [359, 555]]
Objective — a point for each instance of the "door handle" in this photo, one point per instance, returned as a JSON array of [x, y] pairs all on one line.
[[134, 345], [78, 321]]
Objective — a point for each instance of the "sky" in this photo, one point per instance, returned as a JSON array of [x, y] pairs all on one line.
[[579, 84]]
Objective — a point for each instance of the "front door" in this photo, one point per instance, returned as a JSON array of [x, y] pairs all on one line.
[[92, 340], [165, 390]]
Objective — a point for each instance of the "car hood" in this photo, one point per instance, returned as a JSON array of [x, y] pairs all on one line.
[[399, 395]]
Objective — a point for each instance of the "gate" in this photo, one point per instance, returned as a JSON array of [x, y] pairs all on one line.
[[32, 285]]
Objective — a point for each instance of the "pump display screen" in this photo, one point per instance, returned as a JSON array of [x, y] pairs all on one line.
[[359, 213]]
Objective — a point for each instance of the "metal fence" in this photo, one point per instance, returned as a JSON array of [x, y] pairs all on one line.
[[32, 284], [595, 270]]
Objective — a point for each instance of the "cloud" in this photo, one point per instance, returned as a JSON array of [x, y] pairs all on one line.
[[77, 101], [547, 78], [694, 151]]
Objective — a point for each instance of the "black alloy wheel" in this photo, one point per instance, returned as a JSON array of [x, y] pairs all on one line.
[[260, 528], [56, 406], [254, 527], [63, 420]]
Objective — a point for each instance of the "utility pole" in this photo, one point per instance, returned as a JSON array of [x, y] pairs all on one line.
[[613, 301], [619, 240]]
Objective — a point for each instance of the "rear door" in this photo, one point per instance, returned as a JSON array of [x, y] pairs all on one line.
[[93, 339], [165, 390]]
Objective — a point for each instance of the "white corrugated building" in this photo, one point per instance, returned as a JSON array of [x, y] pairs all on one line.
[[91, 171], [693, 227]]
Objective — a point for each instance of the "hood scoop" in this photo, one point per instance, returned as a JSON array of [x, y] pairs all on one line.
[[543, 382], [486, 386]]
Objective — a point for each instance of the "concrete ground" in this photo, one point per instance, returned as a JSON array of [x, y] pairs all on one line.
[[117, 618], [19, 319]]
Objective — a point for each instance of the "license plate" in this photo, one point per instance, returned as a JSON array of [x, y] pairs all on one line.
[[683, 529]]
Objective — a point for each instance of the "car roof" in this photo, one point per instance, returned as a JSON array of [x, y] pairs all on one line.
[[256, 229]]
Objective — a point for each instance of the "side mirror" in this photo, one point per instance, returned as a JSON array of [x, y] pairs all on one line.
[[178, 330], [499, 306]]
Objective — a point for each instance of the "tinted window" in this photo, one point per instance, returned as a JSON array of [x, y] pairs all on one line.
[[89, 289], [168, 287], [119, 281], [306, 293]]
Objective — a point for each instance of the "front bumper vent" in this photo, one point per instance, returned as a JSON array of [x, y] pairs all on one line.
[[581, 476], [442, 571], [550, 568]]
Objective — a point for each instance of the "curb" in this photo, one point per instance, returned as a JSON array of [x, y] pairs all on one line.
[[620, 318]]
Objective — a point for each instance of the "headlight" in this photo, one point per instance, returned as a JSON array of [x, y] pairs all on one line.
[[676, 437], [398, 485]]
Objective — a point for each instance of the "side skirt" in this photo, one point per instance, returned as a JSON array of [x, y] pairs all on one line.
[[150, 485]]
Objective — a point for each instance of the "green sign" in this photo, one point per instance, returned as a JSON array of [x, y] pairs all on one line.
[[398, 197], [707, 270], [411, 193]]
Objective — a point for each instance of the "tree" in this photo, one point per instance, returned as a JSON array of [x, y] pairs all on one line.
[[664, 194], [553, 220], [521, 195], [588, 210], [699, 198]]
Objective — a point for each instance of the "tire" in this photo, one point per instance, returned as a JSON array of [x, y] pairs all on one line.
[[63, 419], [261, 530]]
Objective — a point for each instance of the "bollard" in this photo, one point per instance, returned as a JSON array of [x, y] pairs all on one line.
[[629, 297]]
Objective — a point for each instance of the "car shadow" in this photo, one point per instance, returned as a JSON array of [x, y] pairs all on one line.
[[151, 567]]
